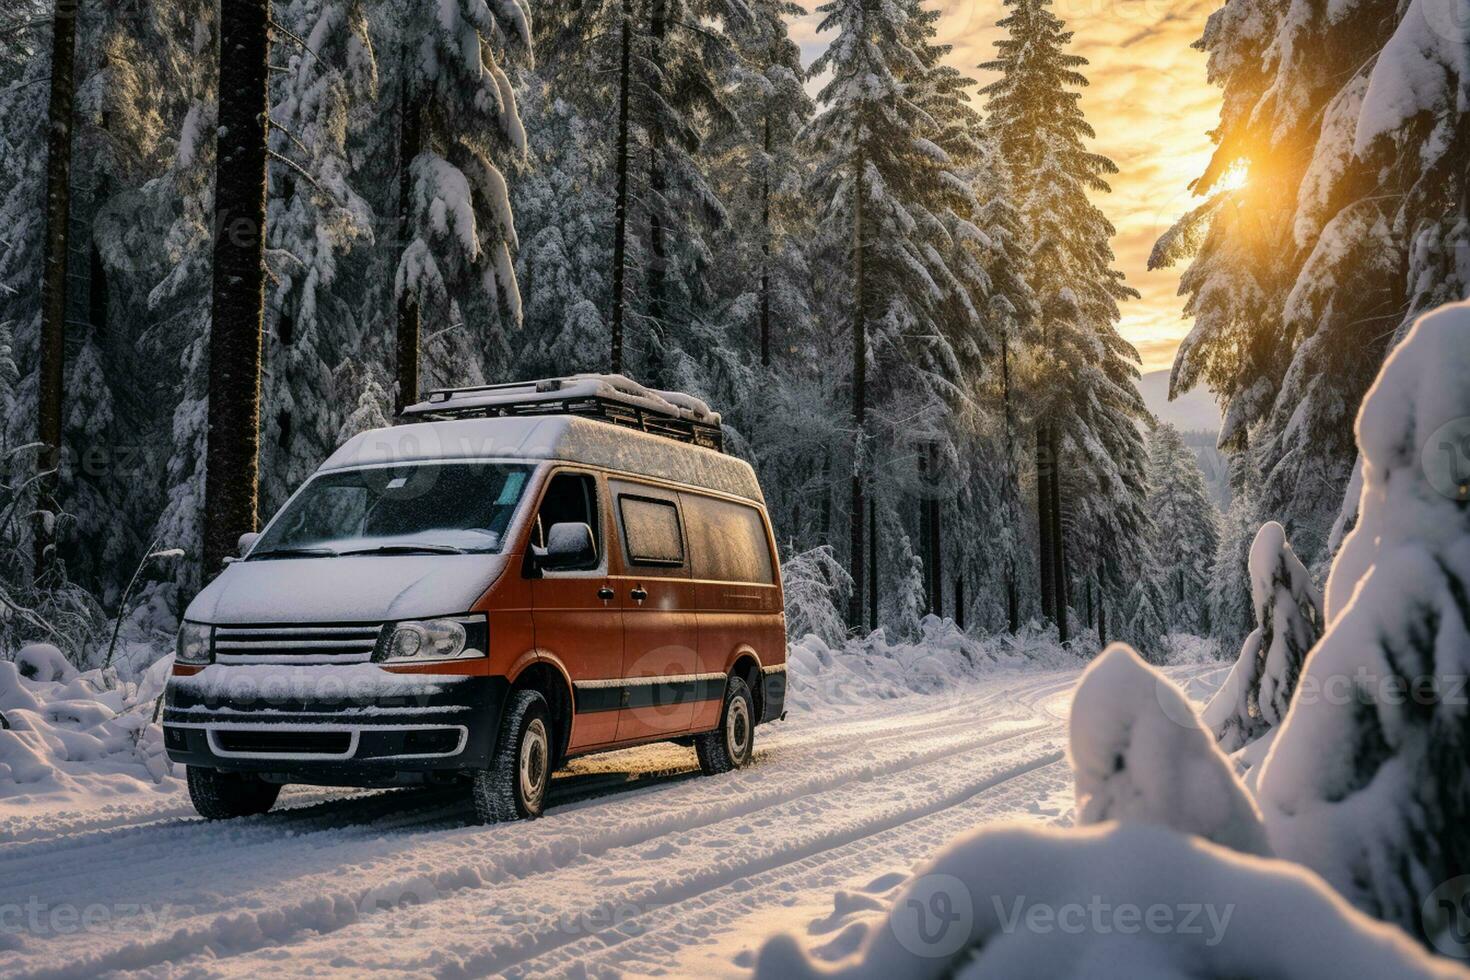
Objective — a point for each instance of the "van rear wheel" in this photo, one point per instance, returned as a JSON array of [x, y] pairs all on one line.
[[731, 745], [514, 786], [219, 795]]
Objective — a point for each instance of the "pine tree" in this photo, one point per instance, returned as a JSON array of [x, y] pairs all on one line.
[[1086, 402], [1385, 767], [1256, 695], [457, 117], [886, 187], [1185, 535], [1232, 614], [316, 216], [1349, 125]]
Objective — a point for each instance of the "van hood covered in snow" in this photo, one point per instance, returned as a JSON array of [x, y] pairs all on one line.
[[352, 589]]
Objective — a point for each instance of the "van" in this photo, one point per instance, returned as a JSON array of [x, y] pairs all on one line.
[[512, 576]]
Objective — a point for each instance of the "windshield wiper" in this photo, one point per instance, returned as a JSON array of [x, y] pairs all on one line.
[[409, 549], [293, 553]]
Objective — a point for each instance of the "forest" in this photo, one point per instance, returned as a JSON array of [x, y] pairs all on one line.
[[892, 276]]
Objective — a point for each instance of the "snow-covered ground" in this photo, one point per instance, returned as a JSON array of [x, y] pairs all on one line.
[[640, 865]]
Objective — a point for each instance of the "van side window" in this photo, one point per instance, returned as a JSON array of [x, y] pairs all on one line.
[[727, 541], [651, 531], [570, 498]]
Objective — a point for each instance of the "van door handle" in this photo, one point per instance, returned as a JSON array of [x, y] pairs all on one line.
[[639, 593], [606, 594]]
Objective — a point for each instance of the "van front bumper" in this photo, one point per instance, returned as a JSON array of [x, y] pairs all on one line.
[[376, 740]]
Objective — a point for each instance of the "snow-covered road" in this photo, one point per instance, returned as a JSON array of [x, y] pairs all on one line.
[[640, 866]]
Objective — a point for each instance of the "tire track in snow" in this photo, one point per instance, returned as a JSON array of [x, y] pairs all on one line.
[[331, 909]]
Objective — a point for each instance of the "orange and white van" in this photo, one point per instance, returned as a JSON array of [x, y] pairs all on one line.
[[513, 576]]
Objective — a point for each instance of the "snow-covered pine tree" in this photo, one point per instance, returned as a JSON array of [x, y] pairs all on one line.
[[1256, 695], [1232, 613], [883, 182], [1350, 123], [1085, 425], [1185, 533], [315, 217], [1143, 620], [564, 214], [665, 65], [444, 66], [1371, 787]]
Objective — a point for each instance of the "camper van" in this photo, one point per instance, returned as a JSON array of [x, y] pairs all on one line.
[[512, 576]]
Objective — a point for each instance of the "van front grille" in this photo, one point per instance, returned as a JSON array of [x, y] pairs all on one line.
[[306, 644], [277, 742]]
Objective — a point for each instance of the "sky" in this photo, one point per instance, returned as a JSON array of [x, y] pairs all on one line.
[[1152, 108]]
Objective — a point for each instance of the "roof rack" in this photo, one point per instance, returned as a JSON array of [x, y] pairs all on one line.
[[608, 398]]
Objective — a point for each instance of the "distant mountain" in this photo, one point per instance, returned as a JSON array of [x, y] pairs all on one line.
[[1194, 411], [1198, 417]]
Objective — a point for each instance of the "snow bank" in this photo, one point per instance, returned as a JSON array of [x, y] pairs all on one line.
[[1112, 901], [1141, 755], [68, 735], [1369, 780], [876, 668]]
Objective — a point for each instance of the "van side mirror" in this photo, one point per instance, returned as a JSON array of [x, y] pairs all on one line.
[[568, 546], [247, 541]]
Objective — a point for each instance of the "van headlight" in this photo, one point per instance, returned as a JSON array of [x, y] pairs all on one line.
[[420, 640], [195, 643]]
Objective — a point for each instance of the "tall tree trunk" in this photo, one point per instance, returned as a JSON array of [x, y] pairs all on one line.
[[766, 245], [232, 457], [658, 265], [959, 601], [936, 555], [926, 558], [54, 268], [1044, 553], [1013, 599], [872, 564], [859, 396], [620, 206], [1059, 562], [1013, 492], [410, 143], [827, 488], [1102, 619]]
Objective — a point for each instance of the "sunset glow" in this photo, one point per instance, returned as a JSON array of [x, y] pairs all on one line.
[[1152, 108]]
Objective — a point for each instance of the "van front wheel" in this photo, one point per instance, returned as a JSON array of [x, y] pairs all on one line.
[[514, 786], [220, 795], [730, 746]]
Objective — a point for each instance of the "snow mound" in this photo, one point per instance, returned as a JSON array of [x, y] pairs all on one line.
[[1141, 755], [1258, 692], [1112, 901], [1369, 780], [67, 735]]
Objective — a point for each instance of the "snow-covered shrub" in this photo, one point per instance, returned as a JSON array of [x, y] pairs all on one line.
[[1117, 901], [816, 587], [1141, 755], [1256, 695], [69, 734], [1369, 780]]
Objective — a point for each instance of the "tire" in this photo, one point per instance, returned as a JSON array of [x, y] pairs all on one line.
[[220, 795], [731, 745], [514, 786]]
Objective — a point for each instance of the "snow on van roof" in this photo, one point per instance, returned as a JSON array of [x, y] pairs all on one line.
[[550, 437]]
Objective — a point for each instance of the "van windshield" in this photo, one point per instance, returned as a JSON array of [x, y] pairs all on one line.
[[416, 508]]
